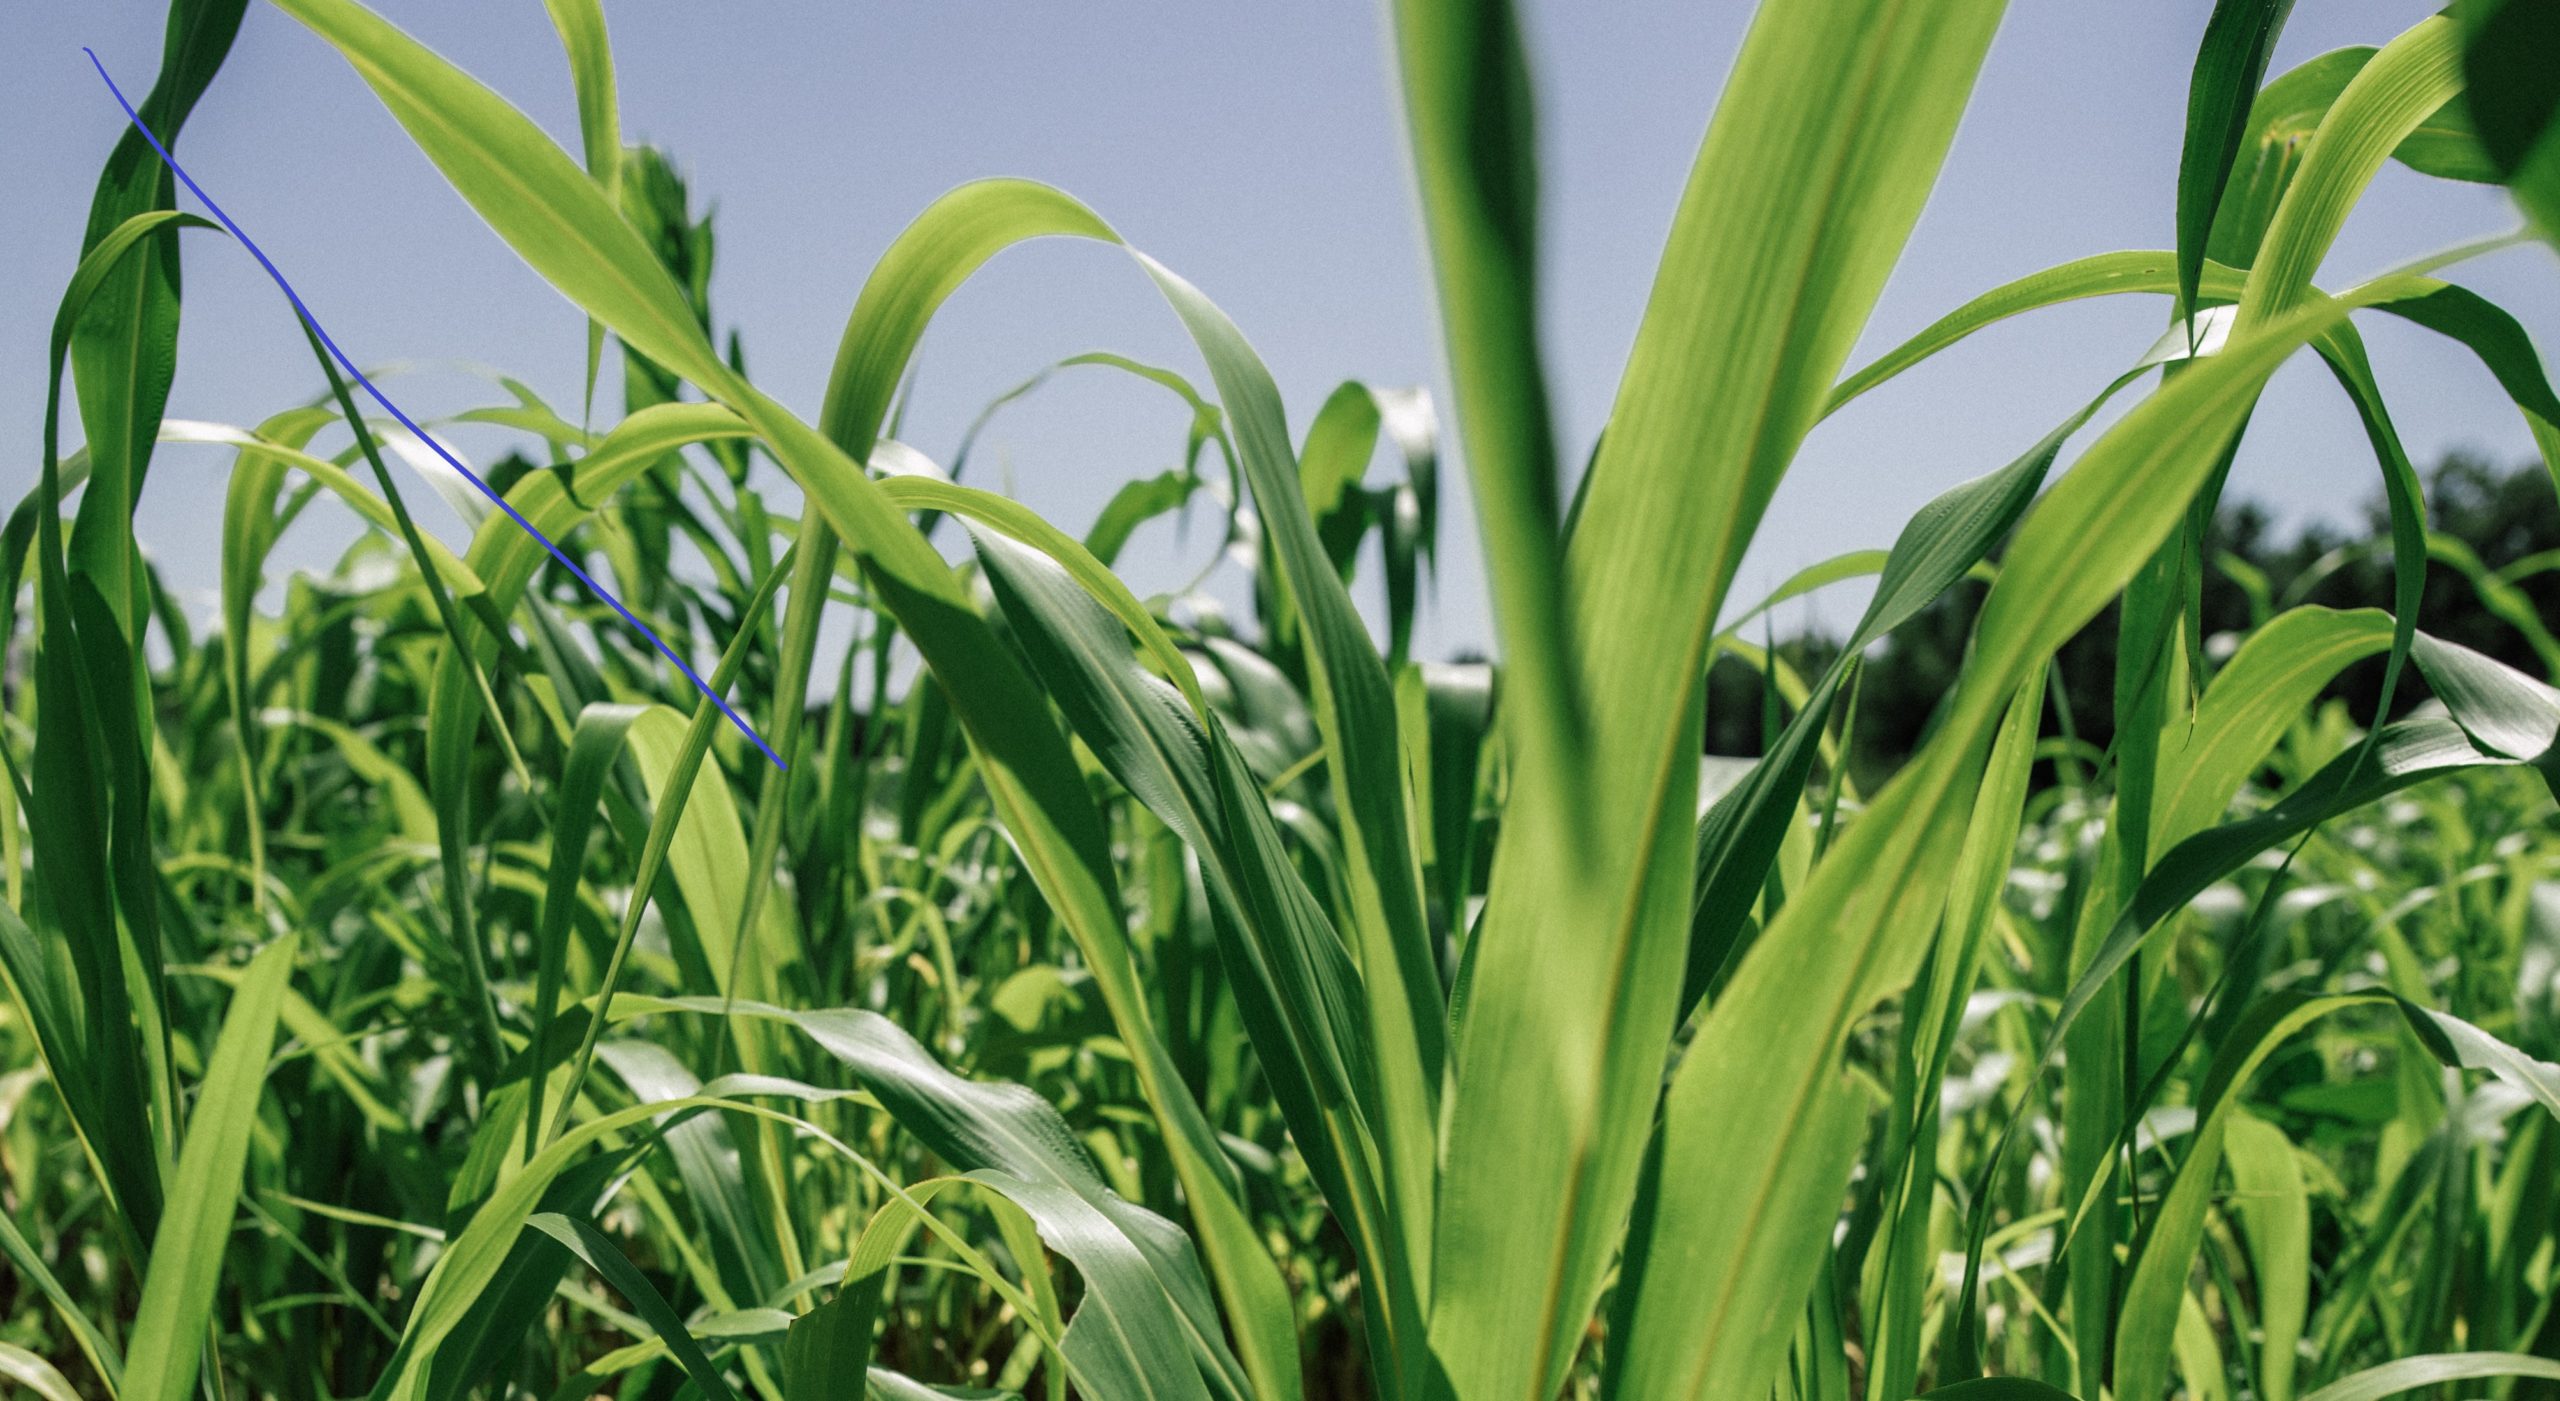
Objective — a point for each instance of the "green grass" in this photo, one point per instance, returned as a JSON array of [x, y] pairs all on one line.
[[417, 990]]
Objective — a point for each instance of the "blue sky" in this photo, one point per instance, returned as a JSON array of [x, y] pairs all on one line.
[[1256, 149]]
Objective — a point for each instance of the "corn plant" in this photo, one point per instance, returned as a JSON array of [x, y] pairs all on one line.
[[424, 991]]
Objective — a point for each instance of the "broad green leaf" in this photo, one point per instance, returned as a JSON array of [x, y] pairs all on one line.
[[2453, 311], [1355, 712], [1758, 300], [124, 352], [2504, 349], [2488, 698], [484, 1252], [701, 843], [1286, 964], [2500, 708], [2102, 275], [504, 558], [1150, 1302], [249, 531], [828, 1350], [100, 1351], [2275, 1215], [372, 507], [1849, 564], [2478, 1050], [185, 1270], [1472, 124], [1933, 1021], [2404, 754], [2230, 65], [2075, 549], [2253, 700], [707, 856], [2388, 99], [2508, 49], [706, 1153], [2413, 1373], [35, 1374], [515, 176], [1946, 539], [1150, 715], [91, 810], [428, 573]]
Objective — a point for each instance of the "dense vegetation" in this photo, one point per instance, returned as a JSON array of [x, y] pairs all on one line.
[[2492, 576], [418, 989]]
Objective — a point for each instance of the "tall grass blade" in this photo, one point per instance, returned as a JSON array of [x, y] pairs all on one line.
[[2230, 65], [1575, 986], [178, 1288], [1471, 118]]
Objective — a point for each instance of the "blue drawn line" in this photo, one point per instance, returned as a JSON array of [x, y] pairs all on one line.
[[406, 422]]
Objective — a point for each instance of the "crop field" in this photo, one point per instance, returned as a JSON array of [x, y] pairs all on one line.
[[565, 967]]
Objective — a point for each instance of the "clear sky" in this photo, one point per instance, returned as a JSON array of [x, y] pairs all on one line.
[[1254, 148]]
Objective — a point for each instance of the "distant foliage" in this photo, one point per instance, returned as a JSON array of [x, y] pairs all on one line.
[[2492, 581]]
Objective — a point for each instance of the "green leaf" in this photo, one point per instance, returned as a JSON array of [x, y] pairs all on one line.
[[2101, 275], [1147, 737], [89, 809], [2486, 697], [167, 1341], [594, 747], [699, 839], [2075, 549], [521, 182], [2156, 1289], [581, 27], [1946, 539], [1133, 505], [2275, 1215], [828, 1351], [707, 1157], [1291, 979], [2412, 1373], [707, 851], [1849, 564], [2230, 64], [2499, 707], [1755, 307], [94, 1345], [2478, 1050], [1471, 119], [2508, 50], [1934, 1019], [1355, 712], [607, 1260], [124, 353], [35, 1374], [2404, 754], [1149, 1311], [2252, 701], [483, 1257], [2389, 98]]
